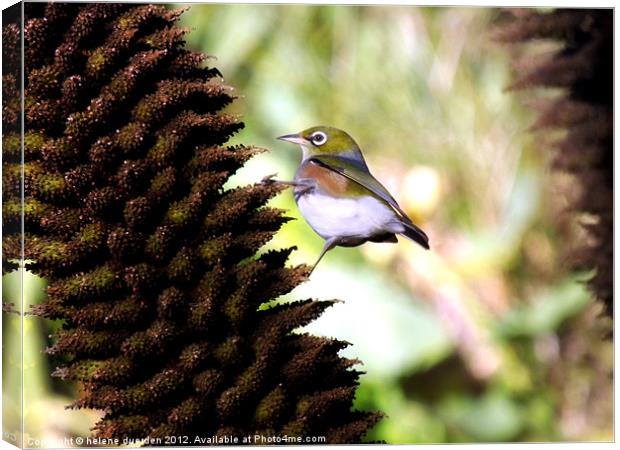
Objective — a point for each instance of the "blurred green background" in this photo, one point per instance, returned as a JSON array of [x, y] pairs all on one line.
[[488, 336]]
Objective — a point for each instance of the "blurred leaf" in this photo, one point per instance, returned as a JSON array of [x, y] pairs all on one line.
[[392, 333], [548, 311], [492, 418]]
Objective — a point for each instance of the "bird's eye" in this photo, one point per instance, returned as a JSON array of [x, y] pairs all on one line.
[[318, 138]]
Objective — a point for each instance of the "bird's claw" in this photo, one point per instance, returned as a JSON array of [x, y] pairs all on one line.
[[268, 179]]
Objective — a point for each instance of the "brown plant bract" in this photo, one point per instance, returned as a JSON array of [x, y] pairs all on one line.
[[148, 258], [582, 67]]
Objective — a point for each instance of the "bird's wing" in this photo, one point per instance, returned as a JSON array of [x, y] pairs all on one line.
[[358, 173]]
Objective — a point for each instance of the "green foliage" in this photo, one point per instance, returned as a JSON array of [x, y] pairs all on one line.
[[546, 313]]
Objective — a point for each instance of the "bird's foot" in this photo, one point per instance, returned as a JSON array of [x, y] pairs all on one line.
[[268, 179]]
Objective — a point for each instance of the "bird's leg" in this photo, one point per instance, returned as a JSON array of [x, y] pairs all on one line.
[[269, 180], [329, 244]]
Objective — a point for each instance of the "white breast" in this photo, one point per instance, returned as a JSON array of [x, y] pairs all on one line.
[[359, 217]]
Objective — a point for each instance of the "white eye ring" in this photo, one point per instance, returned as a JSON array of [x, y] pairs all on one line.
[[318, 138]]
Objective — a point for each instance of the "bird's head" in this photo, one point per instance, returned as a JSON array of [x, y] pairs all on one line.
[[324, 140]]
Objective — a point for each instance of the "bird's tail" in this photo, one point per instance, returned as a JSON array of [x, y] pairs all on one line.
[[415, 234]]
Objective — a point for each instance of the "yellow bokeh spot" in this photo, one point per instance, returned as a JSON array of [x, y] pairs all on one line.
[[421, 192]]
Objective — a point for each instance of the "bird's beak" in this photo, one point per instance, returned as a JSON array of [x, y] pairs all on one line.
[[294, 138]]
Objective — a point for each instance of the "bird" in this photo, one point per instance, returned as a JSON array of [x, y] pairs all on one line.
[[339, 197]]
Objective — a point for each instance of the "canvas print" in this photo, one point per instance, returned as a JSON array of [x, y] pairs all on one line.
[[252, 224]]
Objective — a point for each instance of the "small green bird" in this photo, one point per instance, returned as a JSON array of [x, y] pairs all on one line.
[[338, 196]]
